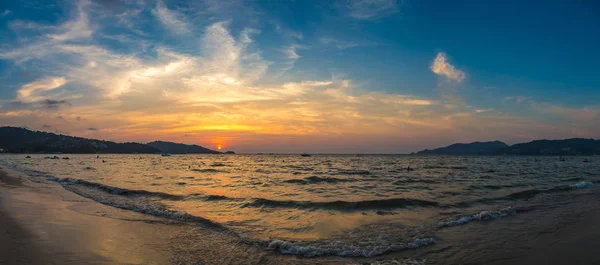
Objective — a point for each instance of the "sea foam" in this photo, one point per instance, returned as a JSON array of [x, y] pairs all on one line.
[[314, 250], [484, 215]]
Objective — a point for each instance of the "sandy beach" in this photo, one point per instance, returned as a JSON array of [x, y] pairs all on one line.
[[44, 224], [41, 223]]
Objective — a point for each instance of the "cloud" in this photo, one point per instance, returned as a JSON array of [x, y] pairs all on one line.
[[46, 126], [517, 99], [170, 19], [5, 13], [291, 53], [53, 104], [440, 66], [75, 29], [33, 91], [368, 9], [337, 43], [222, 83]]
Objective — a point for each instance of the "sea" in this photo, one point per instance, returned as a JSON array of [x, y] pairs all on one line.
[[323, 205]]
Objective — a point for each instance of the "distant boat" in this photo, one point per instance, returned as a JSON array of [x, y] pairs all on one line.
[[560, 158], [306, 155], [28, 157], [586, 160], [166, 154]]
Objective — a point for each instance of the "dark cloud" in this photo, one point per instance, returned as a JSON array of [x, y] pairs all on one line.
[[46, 126], [53, 104], [92, 129], [43, 104], [78, 118]]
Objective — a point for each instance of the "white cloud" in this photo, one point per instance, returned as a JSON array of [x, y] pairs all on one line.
[[337, 43], [170, 19], [291, 52], [5, 13], [368, 9], [75, 29], [31, 92], [440, 66]]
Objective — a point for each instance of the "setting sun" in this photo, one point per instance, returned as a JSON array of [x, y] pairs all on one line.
[[219, 146]]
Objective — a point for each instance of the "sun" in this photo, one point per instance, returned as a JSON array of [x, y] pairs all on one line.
[[219, 146]]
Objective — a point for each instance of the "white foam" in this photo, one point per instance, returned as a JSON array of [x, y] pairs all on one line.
[[582, 185], [484, 215], [396, 262], [334, 249]]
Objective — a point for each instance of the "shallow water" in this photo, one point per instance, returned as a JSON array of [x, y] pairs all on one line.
[[321, 205]]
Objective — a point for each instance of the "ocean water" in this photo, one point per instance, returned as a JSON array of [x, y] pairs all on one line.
[[324, 205]]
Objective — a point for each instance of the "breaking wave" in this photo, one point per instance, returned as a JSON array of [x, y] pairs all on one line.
[[343, 205], [105, 195], [528, 194], [338, 249], [484, 215]]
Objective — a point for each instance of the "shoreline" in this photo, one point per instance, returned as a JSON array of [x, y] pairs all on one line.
[[53, 226], [42, 223]]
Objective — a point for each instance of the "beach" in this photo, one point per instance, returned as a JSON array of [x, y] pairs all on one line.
[[42, 222]]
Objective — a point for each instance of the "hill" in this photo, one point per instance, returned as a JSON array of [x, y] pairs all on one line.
[[20, 140], [476, 148], [574, 146], [177, 148]]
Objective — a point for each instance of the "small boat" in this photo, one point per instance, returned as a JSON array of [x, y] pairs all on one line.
[[28, 157], [586, 160], [306, 155], [560, 158], [166, 154]]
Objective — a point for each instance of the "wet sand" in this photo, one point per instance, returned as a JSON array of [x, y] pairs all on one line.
[[41, 223]]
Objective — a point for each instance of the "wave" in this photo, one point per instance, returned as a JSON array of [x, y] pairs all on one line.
[[315, 250], [101, 194], [494, 187], [220, 164], [353, 172], [445, 167], [528, 194], [342, 205], [484, 215], [207, 170], [582, 185], [315, 179], [412, 180], [140, 193], [117, 191]]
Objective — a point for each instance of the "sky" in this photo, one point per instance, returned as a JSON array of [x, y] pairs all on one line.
[[347, 76]]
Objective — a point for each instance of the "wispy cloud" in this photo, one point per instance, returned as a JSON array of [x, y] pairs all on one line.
[[5, 13], [340, 44], [368, 9], [442, 67], [33, 91], [517, 99], [226, 85], [75, 29], [171, 19]]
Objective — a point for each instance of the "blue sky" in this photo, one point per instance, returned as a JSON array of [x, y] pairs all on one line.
[[366, 76]]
